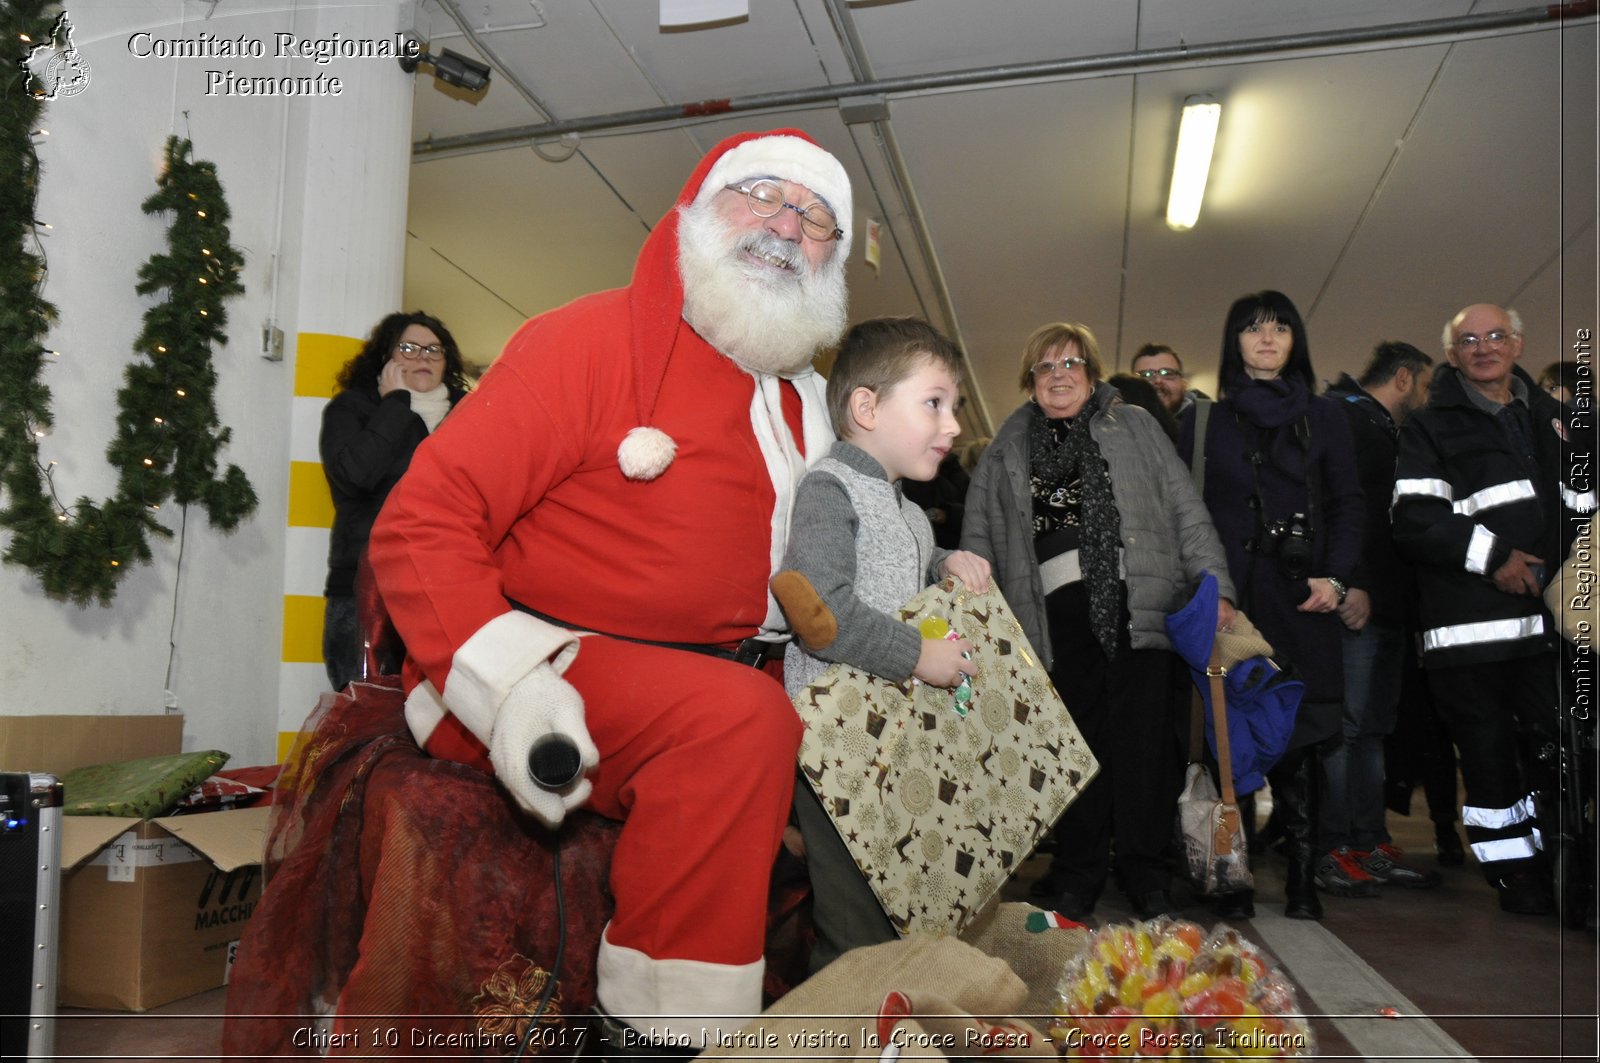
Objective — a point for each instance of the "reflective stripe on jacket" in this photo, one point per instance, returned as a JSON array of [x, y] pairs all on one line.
[[1468, 490]]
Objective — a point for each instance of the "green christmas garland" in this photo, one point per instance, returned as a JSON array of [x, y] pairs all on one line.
[[168, 436]]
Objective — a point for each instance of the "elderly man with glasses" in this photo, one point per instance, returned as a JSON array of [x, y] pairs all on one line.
[[1485, 494], [1161, 366], [625, 474]]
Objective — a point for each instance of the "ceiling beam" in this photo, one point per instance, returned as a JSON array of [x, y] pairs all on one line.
[[1397, 35]]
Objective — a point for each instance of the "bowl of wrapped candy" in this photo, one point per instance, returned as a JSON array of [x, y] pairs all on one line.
[[1167, 988]]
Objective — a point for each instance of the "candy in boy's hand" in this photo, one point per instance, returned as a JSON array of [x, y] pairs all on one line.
[[937, 627]]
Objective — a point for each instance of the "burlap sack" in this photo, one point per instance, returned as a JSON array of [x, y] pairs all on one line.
[[952, 988], [1038, 958]]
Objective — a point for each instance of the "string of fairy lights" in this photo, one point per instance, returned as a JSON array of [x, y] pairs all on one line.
[[168, 436]]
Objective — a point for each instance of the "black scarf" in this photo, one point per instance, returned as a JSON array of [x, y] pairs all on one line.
[[1059, 452], [1271, 405]]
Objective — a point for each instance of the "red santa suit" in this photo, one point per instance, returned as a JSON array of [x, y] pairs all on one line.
[[529, 493]]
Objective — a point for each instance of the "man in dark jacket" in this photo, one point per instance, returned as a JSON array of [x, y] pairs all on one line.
[[1483, 504], [1376, 616]]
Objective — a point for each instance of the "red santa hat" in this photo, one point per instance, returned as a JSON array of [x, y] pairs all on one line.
[[656, 295], [786, 156]]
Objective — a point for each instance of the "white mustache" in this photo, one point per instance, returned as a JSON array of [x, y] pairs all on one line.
[[779, 252]]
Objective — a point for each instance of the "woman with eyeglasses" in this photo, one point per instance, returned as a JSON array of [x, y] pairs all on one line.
[[1282, 487], [390, 396], [1096, 533]]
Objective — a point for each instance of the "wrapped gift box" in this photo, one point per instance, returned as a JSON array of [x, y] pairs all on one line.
[[940, 800]]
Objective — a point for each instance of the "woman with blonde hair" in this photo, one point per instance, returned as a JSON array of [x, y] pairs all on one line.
[[1096, 533]]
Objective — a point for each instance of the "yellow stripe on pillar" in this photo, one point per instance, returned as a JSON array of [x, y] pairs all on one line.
[[318, 358], [286, 743], [302, 628], [310, 504]]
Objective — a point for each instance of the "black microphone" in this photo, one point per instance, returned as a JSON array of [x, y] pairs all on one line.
[[554, 762]]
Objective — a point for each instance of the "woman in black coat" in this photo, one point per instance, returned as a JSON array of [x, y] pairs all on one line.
[[1282, 488], [390, 396]]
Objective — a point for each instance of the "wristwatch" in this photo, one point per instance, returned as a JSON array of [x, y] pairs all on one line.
[[1339, 588]]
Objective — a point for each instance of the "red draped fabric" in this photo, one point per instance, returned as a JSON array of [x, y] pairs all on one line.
[[410, 909], [408, 903]]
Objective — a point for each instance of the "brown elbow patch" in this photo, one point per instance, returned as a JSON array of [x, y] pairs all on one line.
[[811, 620]]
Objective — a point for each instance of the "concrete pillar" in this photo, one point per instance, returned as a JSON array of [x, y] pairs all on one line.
[[355, 155]]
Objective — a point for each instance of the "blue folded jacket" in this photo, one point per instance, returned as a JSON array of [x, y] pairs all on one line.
[[1262, 698]]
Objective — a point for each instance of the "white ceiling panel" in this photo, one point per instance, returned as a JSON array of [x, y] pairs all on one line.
[[1474, 205], [933, 36], [1037, 238], [1166, 23], [776, 48]]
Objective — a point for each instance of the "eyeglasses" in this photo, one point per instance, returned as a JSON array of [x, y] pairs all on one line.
[[1066, 365], [766, 200], [416, 352], [1492, 339], [1163, 373]]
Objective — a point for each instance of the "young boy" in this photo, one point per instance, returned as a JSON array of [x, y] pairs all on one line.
[[858, 549]]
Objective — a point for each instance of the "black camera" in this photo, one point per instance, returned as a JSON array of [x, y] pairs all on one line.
[[1289, 541]]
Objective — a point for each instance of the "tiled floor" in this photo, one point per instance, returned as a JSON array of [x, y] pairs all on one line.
[[1490, 985], [185, 1029]]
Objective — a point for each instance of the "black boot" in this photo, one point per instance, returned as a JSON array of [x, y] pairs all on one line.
[[1247, 817], [1447, 843], [1240, 904], [1296, 786]]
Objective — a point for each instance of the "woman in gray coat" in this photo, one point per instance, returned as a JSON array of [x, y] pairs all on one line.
[[1096, 533]]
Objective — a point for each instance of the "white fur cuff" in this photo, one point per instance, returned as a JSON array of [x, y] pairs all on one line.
[[495, 659], [684, 1000]]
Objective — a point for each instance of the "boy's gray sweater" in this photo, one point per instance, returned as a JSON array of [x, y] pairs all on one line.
[[866, 549]]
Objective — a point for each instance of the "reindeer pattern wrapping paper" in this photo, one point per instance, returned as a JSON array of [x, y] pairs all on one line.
[[939, 808]]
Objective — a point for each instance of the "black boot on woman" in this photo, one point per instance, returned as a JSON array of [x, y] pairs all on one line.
[[1295, 789], [1240, 904]]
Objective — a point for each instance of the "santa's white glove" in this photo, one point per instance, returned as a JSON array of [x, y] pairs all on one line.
[[542, 703]]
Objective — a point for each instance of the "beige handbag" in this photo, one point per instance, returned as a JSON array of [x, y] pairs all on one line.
[[1570, 596], [1210, 829]]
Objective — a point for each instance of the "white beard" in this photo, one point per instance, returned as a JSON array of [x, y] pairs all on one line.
[[766, 320]]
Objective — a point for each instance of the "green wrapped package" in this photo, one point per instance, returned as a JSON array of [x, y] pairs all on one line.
[[145, 788]]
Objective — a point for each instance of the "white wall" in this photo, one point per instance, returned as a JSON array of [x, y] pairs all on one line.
[[222, 604]]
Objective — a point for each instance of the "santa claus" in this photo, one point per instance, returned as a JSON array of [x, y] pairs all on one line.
[[583, 550]]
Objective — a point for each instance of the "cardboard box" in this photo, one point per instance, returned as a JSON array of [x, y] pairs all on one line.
[[151, 910]]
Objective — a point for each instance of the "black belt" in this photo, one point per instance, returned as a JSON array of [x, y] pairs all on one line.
[[754, 652]]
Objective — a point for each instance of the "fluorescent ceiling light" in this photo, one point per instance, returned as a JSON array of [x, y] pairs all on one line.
[[1197, 135], [681, 14]]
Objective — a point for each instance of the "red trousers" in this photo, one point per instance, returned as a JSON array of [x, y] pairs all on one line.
[[697, 759]]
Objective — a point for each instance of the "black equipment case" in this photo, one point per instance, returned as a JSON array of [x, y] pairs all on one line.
[[30, 903]]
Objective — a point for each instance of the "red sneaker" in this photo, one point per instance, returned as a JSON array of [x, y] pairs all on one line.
[[1386, 864], [1340, 873]]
